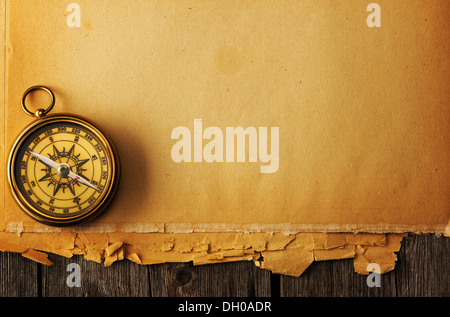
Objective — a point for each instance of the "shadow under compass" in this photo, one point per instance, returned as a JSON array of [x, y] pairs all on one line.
[[135, 179]]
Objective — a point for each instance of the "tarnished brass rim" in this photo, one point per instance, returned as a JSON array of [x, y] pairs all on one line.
[[110, 187]]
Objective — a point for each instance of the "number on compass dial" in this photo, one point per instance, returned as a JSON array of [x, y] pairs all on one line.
[[64, 169]]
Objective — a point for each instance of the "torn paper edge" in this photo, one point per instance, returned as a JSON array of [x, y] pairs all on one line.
[[283, 254], [21, 227], [281, 248]]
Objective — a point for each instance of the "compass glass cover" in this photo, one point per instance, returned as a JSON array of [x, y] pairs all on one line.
[[50, 193]]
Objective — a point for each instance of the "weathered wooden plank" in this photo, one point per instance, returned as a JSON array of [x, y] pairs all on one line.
[[314, 282], [224, 280], [19, 277], [440, 272], [123, 278], [423, 267], [335, 278], [421, 270], [347, 283]]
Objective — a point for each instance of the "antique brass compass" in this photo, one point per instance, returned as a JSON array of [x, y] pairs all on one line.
[[62, 169]]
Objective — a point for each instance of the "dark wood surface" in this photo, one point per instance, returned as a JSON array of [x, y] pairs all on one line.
[[422, 270]]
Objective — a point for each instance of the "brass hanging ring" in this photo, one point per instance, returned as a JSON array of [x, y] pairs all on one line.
[[40, 112]]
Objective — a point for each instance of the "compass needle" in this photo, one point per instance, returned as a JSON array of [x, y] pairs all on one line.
[[47, 161], [81, 180]]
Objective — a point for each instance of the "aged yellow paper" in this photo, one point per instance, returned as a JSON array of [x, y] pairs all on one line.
[[247, 116]]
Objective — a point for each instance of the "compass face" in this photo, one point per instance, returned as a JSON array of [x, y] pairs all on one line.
[[63, 170]]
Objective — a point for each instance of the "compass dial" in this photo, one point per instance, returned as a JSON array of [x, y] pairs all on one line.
[[63, 170]]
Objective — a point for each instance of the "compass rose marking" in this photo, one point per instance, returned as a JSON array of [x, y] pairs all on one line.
[[72, 190], [46, 176], [56, 189], [81, 163], [70, 153], [58, 155]]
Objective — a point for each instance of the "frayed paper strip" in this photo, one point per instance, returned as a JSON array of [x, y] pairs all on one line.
[[277, 252]]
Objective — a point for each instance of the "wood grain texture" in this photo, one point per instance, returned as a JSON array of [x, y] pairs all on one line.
[[19, 276], [242, 279], [422, 270]]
